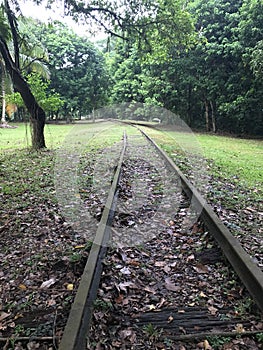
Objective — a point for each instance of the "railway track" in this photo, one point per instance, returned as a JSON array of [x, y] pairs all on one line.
[[135, 242]]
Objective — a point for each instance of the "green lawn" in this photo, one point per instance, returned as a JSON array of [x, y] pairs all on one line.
[[240, 160], [21, 136], [239, 157], [55, 134]]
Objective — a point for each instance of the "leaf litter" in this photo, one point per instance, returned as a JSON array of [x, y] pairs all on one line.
[[39, 246], [176, 273]]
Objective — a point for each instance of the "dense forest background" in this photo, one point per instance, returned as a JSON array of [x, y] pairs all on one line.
[[210, 74]]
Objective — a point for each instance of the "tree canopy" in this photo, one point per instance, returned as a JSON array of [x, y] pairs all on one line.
[[214, 83], [199, 59], [148, 22]]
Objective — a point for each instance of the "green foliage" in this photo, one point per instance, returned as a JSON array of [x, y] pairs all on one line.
[[15, 98], [50, 101], [209, 84], [200, 59], [152, 331], [171, 24], [103, 305], [216, 341], [78, 71], [4, 28], [257, 60], [244, 306]]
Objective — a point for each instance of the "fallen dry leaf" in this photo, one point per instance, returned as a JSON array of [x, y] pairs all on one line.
[[167, 269], [128, 334], [22, 287], [79, 246], [48, 283], [212, 310], [160, 263], [207, 346], [151, 307], [200, 268], [124, 285], [169, 285], [239, 328], [133, 263], [150, 290], [119, 299], [170, 319], [160, 304], [3, 315], [181, 311], [125, 271]]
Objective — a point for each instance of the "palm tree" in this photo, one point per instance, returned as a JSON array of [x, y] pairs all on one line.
[[33, 55]]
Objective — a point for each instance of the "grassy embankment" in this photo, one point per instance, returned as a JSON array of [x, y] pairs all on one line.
[[237, 160]]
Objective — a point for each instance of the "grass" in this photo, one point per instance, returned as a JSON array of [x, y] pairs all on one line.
[[240, 160], [56, 134], [20, 137], [236, 157], [26, 174]]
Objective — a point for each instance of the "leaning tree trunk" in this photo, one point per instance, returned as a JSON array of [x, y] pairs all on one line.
[[37, 114]]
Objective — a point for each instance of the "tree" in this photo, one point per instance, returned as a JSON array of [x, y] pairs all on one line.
[[140, 69], [141, 18], [6, 35], [256, 61], [37, 114], [50, 102], [216, 83], [78, 70]]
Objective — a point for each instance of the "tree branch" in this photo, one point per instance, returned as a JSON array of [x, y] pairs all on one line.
[[109, 31], [88, 10]]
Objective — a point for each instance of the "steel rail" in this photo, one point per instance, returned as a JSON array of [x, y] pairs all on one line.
[[78, 323], [249, 273]]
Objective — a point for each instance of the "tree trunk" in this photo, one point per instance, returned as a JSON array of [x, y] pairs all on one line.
[[37, 114], [189, 105], [3, 120], [37, 125], [93, 115], [207, 123], [213, 117]]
